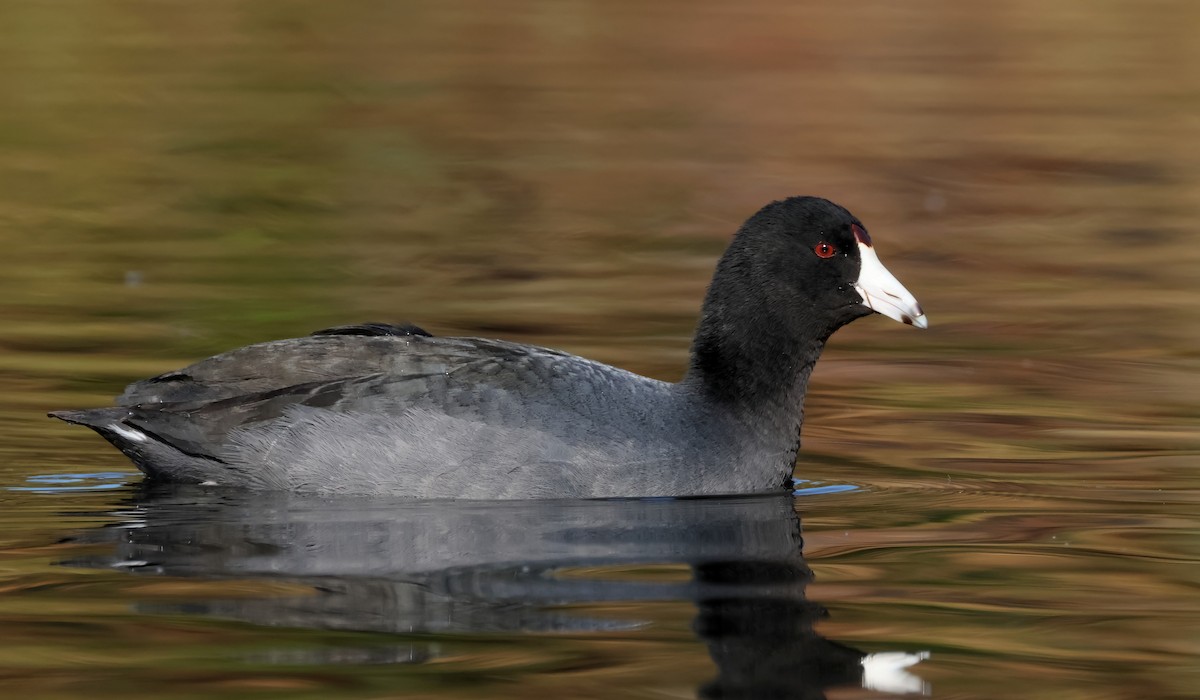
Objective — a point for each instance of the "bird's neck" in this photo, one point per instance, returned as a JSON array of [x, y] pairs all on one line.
[[755, 358]]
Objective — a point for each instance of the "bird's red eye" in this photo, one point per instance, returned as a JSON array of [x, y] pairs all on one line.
[[824, 250]]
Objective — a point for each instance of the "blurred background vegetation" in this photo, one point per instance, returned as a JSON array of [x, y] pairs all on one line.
[[179, 178]]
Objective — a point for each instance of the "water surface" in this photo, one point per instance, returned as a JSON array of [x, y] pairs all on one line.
[[1015, 490]]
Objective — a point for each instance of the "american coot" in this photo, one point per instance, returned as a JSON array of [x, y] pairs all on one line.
[[387, 409]]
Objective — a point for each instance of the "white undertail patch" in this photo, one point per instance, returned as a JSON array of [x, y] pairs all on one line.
[[127, 432]]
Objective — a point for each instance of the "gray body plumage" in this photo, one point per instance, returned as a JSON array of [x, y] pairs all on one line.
[[411, 415]]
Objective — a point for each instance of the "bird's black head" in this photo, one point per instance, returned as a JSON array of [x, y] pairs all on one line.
[[817, 259], [794, 273]]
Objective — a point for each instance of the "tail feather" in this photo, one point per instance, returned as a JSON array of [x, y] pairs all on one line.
[[155, 457], [94, 418]]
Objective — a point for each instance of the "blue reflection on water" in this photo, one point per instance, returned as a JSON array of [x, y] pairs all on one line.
[[59, 483], [816, 488]]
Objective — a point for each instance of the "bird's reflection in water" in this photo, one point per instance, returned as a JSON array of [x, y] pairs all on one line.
[[429, 567]]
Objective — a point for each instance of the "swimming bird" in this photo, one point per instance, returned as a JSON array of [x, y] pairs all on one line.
[[393, 410]]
